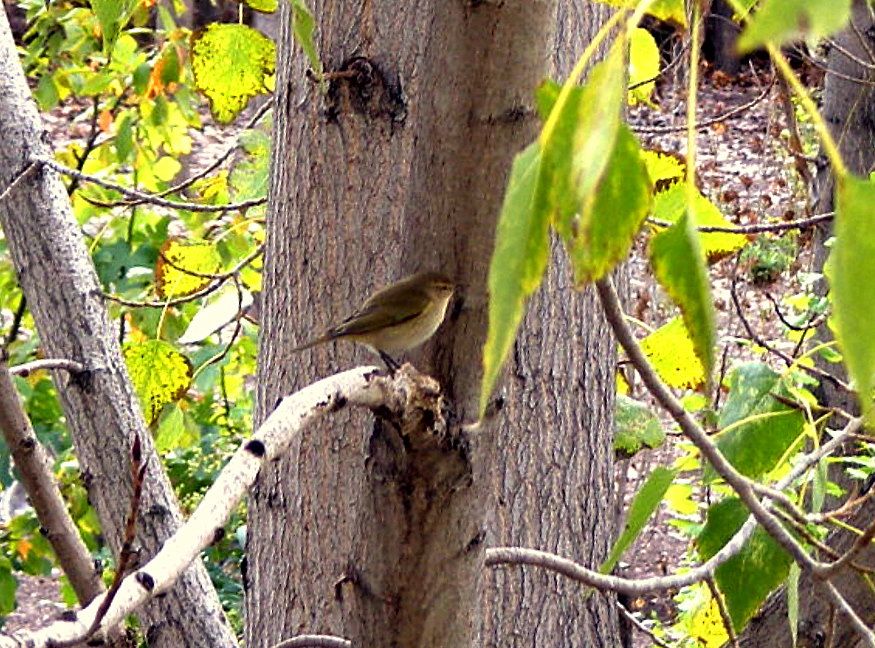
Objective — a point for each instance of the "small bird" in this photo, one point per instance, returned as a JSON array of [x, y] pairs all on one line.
[[396, 318]]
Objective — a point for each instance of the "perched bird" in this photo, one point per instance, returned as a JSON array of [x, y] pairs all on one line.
[[396, 318]]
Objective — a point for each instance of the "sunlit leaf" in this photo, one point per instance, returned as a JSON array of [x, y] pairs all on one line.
[[668, 10], [8, 587], [665, 168], [264, 6], [160, 374], [679, 265], [180, 266], [782, 21], [643, 66], [750, 576], [643, 506], [755, 447], [850, 271], [670, 351], [232, 63], [635, 427], [173, 430], [517, 266], [669, 205]]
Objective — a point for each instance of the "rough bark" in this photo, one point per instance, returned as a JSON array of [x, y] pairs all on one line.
[[849, 109], [402, 168], [62, 290]]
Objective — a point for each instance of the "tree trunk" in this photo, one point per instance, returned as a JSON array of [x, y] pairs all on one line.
[[62, 290], [849, 109], [399, 168]]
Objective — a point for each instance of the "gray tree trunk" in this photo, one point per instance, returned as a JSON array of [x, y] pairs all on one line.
[[402, 167], [849, 109], [62, 290]]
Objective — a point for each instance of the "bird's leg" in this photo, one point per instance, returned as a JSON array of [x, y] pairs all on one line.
[[391, 363]]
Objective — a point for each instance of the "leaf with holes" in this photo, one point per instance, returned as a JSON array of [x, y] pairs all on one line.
[[160, 374], [181, 265], [232, 64]]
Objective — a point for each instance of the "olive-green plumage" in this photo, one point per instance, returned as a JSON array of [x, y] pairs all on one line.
[[396, 318]]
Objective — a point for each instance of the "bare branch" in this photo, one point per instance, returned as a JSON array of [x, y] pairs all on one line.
[[315, 641], [408, 392], [141, 196], [28, 368], [759, 228], [640, 626], [724, 612]]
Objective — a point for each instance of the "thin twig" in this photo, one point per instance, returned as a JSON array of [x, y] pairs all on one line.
[[724, 613], [16, 326], [215, 164], [20, 177], [758, 228], [640, 626], [314, 641], [26, 368], [220, 280], [138, 472], [145, 197], [708, 122]]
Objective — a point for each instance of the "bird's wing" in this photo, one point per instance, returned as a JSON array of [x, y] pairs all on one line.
[[391, 308]]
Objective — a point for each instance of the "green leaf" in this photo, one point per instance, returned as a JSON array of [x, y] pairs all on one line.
[[173, 432], [231, 64], [671, 353], [575, 140], [8, 587], [303, 28], [112, 16], [177, 257], [679, 265], [517, 266], [850, 271], [643, 66], [640, 511], [160, 374], [782, 21], [619, 206], [670, 205], [750, 576], [635, 427], [755, 447]]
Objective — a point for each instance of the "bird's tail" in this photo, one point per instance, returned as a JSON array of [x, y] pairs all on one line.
[[326, 337]]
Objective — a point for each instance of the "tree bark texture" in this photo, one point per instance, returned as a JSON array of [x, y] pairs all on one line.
[[62, 290], [849, 109], [402, 167]]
